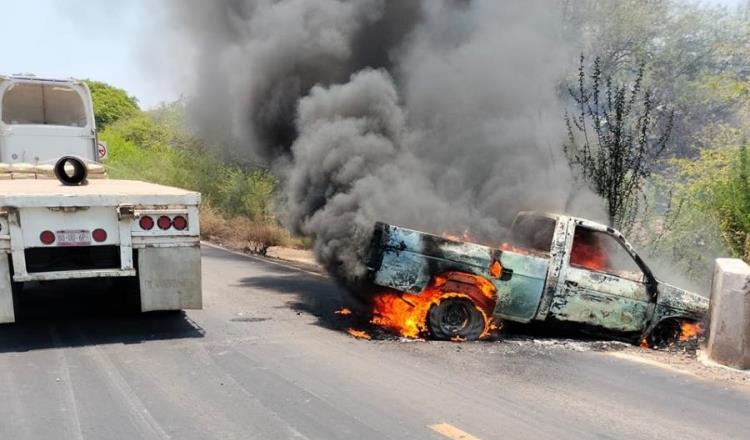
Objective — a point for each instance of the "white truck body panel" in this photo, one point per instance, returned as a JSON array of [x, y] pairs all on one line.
[[42, 120], [168, 263], [24, 138], [21, 144]]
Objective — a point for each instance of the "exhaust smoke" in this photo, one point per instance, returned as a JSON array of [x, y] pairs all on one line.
[[442, 116]]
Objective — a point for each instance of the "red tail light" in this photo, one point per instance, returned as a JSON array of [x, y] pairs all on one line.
[[99, 235], [47, 237], [164, 222], [146, 223], [179, 223]]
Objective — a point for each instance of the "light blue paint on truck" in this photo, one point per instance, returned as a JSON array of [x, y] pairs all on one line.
[[528, 276]]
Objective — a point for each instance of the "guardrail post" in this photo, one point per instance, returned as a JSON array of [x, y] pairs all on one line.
[[729, 330]]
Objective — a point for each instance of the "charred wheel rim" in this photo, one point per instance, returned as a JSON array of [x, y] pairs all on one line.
[[455, 317]]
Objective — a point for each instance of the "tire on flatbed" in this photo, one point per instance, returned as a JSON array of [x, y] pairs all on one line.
[[456, 317]]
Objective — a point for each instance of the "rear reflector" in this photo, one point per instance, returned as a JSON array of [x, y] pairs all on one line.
[[164, 222], [179, 223], [146, 223], [47, 237], [99, 235]]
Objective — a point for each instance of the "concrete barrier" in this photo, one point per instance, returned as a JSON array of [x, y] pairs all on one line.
[[729, 312]]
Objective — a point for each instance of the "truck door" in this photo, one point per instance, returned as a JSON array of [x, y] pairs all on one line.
[[601, 284], [40, 121]]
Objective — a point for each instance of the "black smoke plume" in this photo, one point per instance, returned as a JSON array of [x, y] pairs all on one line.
[[437, 115]]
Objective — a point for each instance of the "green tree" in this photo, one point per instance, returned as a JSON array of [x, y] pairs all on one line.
[[614, 138], [111, 103]]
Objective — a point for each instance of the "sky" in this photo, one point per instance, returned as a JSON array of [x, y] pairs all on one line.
[[109, 41], [86, 39]]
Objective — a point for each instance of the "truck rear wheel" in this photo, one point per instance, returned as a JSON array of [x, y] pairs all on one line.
[[456, 318]]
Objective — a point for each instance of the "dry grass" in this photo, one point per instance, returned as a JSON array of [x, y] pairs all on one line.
[[242, 233]]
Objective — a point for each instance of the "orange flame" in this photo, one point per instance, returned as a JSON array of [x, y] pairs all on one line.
[[690, 330], [588, 253], [466, 236], [359, 334], [344, 311], [512, 248], [406, 314], [589, 257], [496, 269]]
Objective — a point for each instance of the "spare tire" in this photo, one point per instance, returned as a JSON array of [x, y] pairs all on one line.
[[78, 169], [456, 317]]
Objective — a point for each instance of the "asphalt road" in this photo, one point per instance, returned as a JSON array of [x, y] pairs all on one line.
[[266, 359]]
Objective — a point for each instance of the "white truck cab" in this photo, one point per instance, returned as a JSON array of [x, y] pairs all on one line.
[[133, 234], [44, 119]]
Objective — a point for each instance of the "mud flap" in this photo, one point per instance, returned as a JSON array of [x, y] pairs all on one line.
[[7, 314], [170, 278]]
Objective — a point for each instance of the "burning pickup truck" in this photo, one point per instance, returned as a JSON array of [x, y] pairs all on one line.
[[553, 269]]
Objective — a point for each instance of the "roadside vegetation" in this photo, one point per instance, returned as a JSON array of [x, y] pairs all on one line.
[[238, 208]]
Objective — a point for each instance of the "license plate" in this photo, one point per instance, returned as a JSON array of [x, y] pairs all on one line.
[[73, 238]]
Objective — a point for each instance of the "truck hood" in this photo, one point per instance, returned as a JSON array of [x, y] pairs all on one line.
[[682, 300]]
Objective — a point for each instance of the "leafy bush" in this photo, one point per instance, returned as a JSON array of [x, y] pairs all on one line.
[[707, 211], [110, 103]]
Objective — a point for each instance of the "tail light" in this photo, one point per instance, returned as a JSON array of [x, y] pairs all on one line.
[[179, 223], [99, 235], [164, 222], [47, 237], [146, 223]]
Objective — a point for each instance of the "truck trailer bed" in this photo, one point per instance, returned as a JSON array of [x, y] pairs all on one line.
[[98, 192]]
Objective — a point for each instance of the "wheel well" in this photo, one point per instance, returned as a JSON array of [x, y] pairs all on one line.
[[668, 329], [478, 289]]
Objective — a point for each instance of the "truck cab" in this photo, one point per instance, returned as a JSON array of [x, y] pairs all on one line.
[[552, 268], [593, 276], [44, 119]]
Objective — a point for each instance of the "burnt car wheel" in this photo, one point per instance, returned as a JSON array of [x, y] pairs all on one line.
[[664, 334], [456, 318]]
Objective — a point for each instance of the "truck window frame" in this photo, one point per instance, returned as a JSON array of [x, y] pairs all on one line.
[[528, 243], [645, 274], [37, 114]]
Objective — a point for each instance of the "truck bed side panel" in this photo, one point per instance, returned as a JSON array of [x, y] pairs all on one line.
[[45, 193], [410, 258], [518, 298]]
